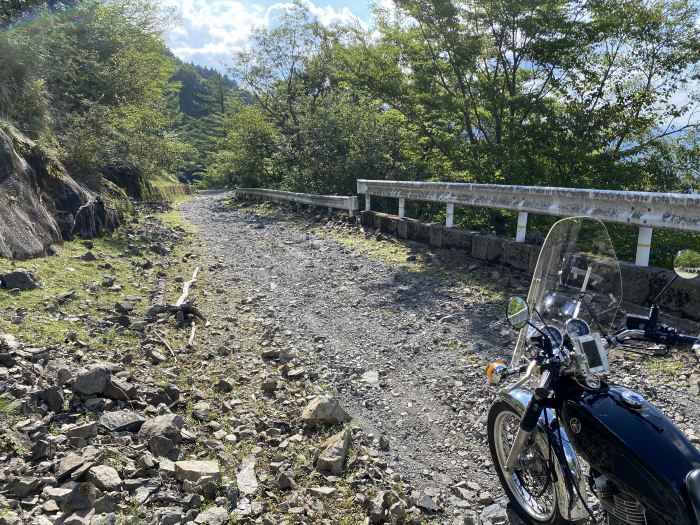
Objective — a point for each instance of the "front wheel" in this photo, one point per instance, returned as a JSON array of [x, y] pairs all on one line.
[[530, 487]]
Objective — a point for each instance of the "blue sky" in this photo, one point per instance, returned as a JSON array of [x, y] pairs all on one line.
[[210, 31]]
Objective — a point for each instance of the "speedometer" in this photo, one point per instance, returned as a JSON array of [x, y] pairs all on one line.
[[577, 328]]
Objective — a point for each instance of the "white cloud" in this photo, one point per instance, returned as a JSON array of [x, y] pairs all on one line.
[[211, 31]]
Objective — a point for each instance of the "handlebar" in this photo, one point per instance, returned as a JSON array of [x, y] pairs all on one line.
[[657, 334]]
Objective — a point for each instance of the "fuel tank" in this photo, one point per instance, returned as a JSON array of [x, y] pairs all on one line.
[[622, 435]]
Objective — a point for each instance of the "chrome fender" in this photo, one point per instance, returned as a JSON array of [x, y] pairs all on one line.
[[570, 505]]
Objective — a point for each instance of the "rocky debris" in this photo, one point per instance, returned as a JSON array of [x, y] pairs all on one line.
[[213, 516], [20, 279], [333, 452], [162, 434], [324, 410]]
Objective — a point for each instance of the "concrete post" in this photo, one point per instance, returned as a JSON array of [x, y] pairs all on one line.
[[643, 246], [402, 208], [522, 227], [449, 220], [367, 203]]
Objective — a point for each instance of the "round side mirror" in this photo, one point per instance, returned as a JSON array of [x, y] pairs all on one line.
[[687, 264], [518, 313]]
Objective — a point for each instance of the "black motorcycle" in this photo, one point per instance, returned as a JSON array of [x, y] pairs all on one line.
[[641, 468]]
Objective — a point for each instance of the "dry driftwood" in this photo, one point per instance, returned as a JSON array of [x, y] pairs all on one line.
[[186, 287]]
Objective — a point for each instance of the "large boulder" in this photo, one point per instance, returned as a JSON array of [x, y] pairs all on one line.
[[161, 434], [93, 380], [40, 204], [20, 279], [332, 454], [324, 410]]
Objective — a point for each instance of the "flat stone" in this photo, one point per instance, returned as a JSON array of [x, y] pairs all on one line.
[[194, 470], [84, 431], [333, 452], [284, 481], [122, 420], [322, 491], [20, 279], [247, 482], [81, 496], [213, 516], [427, 503], [324, 410], [494, 513], [92, 380], [371, 377], [68, 464], [24, 486], [104, 478]]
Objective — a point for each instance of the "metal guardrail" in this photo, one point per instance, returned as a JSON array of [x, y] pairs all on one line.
[[349, 204], [646, 210]]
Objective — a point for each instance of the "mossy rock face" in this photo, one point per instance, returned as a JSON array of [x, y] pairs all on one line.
[[41, 205], [131, 180]]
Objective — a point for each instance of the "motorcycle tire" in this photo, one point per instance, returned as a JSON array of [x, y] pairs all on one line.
[[497, 411]]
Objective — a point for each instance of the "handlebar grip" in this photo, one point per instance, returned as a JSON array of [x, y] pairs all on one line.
[[545, 384]]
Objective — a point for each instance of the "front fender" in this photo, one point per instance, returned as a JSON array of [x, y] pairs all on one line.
[[570, 505]]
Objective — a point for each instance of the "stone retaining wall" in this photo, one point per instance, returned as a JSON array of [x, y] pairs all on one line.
[[639, 284]]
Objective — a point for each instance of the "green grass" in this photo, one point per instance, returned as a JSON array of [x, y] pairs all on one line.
[[174, 219], [50, 319]]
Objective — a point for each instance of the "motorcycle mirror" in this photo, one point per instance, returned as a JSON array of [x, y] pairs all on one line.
[[687, 264], [518, 312]]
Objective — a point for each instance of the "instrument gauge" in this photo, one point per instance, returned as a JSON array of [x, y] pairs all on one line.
[[577, 328]]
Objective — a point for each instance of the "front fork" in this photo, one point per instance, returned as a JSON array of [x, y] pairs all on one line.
[[528, 423]]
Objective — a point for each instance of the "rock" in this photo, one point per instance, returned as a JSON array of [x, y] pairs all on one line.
[[247, 482], [371, 377], [321, 491], [427, 503], [194, 470], [224, 385], [43, 449], [84, 431], [162, 434], [119, 389], [284, 481], [122, 420], [22, 487], [80, 496], [67, 465], [8, 343], [89, 257], [53, 397], [494, 513], [384, 443], [20, 279], [93, 380], [213, 516], [324, 410], [333, 452], [104, 478], [269, 385]]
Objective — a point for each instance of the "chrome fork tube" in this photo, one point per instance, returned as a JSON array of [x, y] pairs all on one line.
[[520, 439]]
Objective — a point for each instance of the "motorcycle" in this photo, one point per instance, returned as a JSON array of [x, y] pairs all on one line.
[[641, 468]]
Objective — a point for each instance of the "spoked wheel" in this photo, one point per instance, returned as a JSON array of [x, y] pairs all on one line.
[[530, 487]]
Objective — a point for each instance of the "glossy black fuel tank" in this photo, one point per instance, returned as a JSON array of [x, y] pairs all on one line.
[[638, 448]]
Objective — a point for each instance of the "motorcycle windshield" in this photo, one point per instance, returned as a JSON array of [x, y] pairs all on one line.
[[577, 277]]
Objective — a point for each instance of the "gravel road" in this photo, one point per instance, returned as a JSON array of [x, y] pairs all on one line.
[[403, 349]]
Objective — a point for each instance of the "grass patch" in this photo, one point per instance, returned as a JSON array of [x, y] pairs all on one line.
[[173, 218]]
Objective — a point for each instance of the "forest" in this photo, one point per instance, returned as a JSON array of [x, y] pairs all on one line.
[[576, 93]]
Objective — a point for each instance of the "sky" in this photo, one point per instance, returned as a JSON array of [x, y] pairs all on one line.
[[211, 31]]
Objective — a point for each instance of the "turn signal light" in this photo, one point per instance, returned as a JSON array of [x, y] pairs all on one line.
[[495, 371]]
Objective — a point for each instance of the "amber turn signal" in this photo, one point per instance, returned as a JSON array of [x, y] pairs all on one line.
[[494, 372]]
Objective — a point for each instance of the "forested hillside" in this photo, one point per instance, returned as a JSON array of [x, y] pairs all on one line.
[[94, 83]]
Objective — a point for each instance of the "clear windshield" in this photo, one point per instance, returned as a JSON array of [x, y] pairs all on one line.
[[577, 277]]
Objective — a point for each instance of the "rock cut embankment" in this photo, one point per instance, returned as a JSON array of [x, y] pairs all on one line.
[[40, 204]]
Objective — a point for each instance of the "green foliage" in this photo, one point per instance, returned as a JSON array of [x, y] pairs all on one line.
[[93, 80]]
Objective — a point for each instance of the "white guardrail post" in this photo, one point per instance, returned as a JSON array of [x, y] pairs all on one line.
[[521, 230], [368, 204], [402, 208], [646, 210], [643, 246], [450, 218]]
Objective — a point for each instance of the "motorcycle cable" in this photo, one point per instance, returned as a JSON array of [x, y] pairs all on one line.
[[573, 481]]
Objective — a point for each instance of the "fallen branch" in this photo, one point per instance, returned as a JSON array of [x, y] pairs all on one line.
[[162, 340], [190, 343], [186, 287]]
